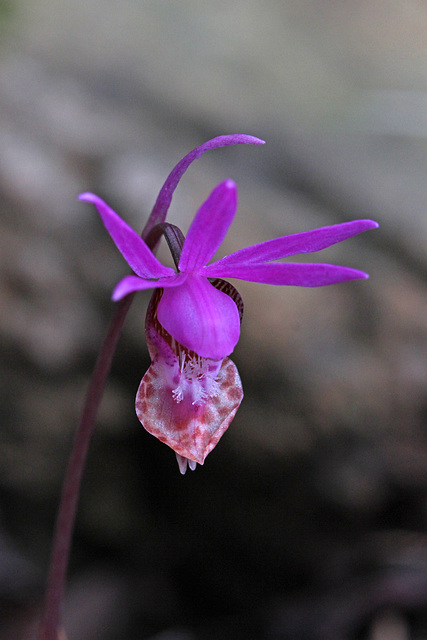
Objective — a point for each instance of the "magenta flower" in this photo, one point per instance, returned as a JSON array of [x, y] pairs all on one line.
[[192, 390]]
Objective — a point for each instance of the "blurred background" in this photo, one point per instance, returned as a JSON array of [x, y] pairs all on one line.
[[308, 521]]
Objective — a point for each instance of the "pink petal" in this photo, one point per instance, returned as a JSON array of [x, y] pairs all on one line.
[[164, 198], [209, 227], [200, 317], [133, 248], [130, 284], [305, 242], [285, 273], [191, 430]]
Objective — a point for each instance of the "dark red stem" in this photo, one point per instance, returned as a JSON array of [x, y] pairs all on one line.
[[51, 612], [49, 625]]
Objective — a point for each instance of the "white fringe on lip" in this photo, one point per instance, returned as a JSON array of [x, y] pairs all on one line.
[[199, 377]]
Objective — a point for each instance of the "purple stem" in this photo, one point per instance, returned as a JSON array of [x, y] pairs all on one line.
[[64, 527], [49, 625]]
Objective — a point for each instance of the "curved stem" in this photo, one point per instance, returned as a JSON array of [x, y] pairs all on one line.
[[51, 612], [71, 488]]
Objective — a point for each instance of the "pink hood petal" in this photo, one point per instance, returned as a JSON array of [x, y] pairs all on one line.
[[200, 317], [209, 227]]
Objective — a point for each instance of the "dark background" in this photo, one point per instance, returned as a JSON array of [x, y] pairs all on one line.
[[308, 521]]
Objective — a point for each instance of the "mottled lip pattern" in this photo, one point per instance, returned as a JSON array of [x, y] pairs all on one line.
[[192, 391], [184, 400]]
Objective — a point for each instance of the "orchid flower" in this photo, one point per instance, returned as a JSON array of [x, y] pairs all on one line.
[[192, 390]]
